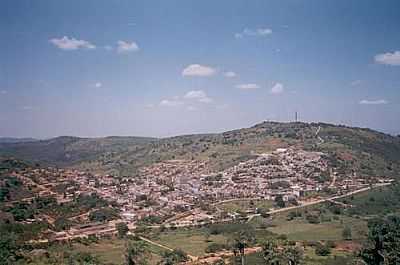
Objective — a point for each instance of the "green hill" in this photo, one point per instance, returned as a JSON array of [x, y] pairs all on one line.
[[67, 151], [350, 149]]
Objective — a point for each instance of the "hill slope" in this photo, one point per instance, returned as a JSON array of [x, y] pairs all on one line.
[[66, 151], [364, 151]]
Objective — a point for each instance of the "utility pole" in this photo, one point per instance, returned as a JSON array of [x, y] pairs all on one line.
[[295, 116]]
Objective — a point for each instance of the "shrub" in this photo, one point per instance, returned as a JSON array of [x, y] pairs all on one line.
[[215, 247], [322, 250]]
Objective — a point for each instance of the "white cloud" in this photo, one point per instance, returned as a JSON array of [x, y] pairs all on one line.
[[356, 82], [373, 102], [205, 100], [388, 58], [248, 86], [3, 92], [97, 84], [230, 74], [278, 88], [125, 47], [198, 70], [198, 95], [171, 103], [259, 32], [66, 43]]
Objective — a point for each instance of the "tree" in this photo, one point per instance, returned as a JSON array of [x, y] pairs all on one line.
[[136, 253], [104, 214], [346, 234], [122, 229], [8, 248], [292, 255], [322, 250], [174, 257], [270, 253], [383, 246], [207, 235], [62, 223], [279, 201], [82, 258], [241, 240]]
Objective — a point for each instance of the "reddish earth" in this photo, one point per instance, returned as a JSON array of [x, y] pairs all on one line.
[[348, 246]]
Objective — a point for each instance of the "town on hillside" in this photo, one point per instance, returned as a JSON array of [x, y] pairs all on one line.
[[186, 193]]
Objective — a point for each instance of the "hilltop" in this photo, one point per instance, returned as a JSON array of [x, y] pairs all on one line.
[[350, 149]]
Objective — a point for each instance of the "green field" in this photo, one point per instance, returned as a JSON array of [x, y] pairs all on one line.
[[328, 227], [244, 205], [379, 201], [108, 251], [111, 251], [193, 242], [301, 230]]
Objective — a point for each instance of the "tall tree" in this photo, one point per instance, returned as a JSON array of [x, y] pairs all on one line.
[[383, 242]]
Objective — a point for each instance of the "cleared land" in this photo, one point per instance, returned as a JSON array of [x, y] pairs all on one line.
[[301, 230], [193, 242], [244, 205]]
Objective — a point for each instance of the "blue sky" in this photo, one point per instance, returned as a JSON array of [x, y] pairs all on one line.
[[161, 68]]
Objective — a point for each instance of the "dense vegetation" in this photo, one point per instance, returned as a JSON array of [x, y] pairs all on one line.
[[378, 202]]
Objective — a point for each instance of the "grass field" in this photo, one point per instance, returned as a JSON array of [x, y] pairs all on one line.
[[303, 231], [108, 251], [243, 205], [112, 251], [193, 241], [330, 226], [379, 201]]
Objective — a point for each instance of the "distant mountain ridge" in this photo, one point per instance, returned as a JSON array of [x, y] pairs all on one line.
[[16, 140], [350, 149]]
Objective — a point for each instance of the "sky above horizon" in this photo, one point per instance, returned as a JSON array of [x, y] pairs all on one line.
[[162, 68]]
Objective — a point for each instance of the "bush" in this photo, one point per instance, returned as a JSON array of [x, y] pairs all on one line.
[[322, 250], [312, 219], [104, 214], [330, 244], [215, 247], [282, 237], [346, 234]]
